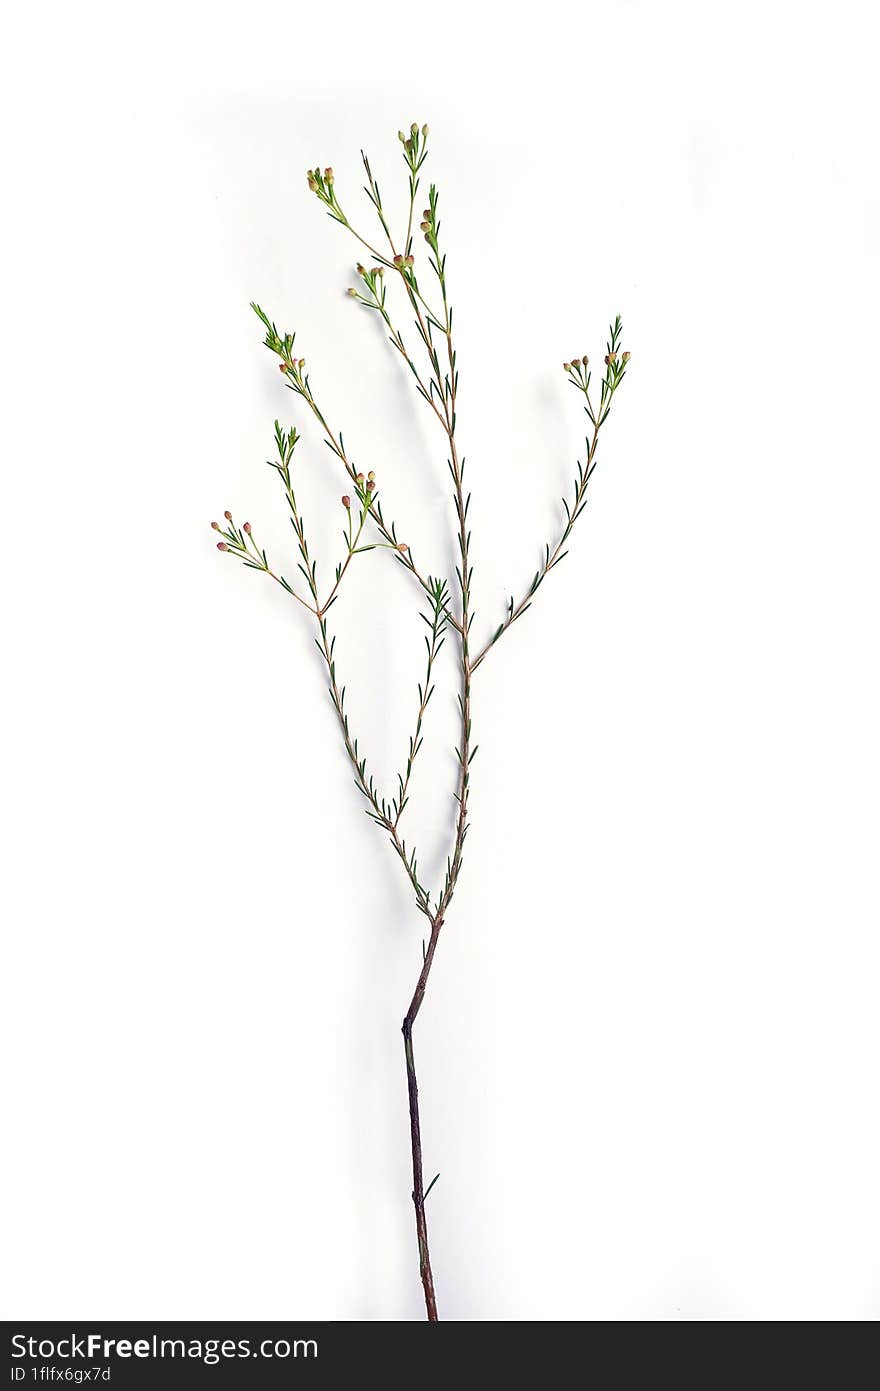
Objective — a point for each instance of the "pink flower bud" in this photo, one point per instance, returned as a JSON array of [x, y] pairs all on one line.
[[215, 526], [247, 528], [222, 546], [228, 516], [346, 501], [402, 547]]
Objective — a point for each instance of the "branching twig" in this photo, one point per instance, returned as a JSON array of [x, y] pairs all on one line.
[[434, 369]]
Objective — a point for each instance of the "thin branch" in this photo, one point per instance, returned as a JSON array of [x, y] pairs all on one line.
[[579, 374], [437, 625]]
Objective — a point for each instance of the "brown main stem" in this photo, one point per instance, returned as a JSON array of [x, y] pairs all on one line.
[[418, 1194], [462, 796]]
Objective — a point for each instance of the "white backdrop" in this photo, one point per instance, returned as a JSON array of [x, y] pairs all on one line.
[[648, 1058]]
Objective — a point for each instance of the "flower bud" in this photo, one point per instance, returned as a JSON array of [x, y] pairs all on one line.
[[371, 475], [566, 366], [301, 364], [402, 547], [222, 546], [575, 362], [585, 360], [426, 214], [401, 137], [228, 516], [312, 185], [610, 358], [425, 131], [346, 501], [414, 129], [328, 175], [410, 260], [425, 226], [360, 478], [398, 260], [215, 526], [370, 485], [351, 291], [283, 367], [247, 528], [360, 269], [626, 357]]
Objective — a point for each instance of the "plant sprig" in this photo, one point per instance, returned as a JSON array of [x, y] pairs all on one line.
[[390, 281]]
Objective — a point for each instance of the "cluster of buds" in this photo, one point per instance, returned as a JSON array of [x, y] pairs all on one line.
[[234, 538], [322, 185], [615, 367], [578, 372], [366, 491], [404, 263], [429, 224], [366, 487], [373, 283], [414, 144]]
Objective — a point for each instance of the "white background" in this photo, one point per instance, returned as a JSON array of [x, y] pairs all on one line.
[[649, 1052]]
